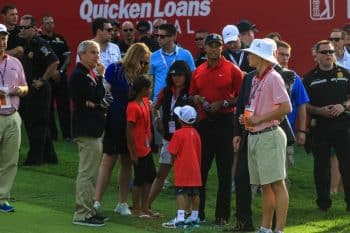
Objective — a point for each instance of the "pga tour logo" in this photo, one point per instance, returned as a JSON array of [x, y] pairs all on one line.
[[322, 9]]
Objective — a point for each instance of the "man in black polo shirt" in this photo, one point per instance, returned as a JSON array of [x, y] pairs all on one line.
[[15, 43], [59, 80], [39, 63], [328, 87]]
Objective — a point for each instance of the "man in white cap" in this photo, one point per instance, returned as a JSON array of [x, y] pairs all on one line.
[[233, 52], [268, 103], [13, 85]]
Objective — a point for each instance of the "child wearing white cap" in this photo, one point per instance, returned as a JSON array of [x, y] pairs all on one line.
[[185, 148]]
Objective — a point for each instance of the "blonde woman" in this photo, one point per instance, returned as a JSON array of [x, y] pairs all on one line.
[[120, 77]]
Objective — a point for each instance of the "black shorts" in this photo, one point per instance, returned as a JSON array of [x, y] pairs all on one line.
[[144, 171], [114, 141], [189, 191]]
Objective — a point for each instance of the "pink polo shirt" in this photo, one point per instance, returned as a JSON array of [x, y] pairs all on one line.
[[11, 76], [266, 95]]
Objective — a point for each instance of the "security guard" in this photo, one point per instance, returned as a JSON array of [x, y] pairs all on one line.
[[328, 87], [58, 82], [39, 63]]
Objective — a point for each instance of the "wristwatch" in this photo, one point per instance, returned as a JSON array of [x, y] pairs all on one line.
[[61, 72], [225, 104]]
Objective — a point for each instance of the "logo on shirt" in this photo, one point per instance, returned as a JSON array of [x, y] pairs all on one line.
[[322, 10]]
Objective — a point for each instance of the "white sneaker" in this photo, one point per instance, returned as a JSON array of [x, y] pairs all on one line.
[[97, 206], [122, 209]]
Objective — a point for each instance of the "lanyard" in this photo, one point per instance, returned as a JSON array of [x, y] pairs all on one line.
[[234, 60], [172, 105], [258, 84], [163, 58], [2, 74]]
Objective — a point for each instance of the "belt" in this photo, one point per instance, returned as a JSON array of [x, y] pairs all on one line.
[[264, 130]]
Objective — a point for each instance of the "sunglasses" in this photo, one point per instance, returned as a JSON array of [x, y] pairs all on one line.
[[199, 38], [326, 51], [156, 27], [128, 30], [161, 36], [336, 39], [24, 27], [108, 29], [49, 22], [144, 63]]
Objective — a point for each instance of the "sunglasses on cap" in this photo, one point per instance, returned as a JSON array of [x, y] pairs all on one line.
[[336, 39], [24, 27], [326, 51], [161, 36]]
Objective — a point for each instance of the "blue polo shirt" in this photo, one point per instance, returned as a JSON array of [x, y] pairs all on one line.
[[160, 64], [298, 97]]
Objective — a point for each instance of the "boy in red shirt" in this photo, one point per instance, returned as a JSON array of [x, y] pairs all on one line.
[[139, 136], [185, 147]]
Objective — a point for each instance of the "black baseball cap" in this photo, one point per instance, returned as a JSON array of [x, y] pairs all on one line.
[[143, 26], [213, 37], [245, 25]]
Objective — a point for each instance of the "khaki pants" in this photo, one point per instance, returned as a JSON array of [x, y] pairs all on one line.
[[90, 152], [10, 141]]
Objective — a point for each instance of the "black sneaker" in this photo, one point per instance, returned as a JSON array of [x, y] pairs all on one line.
[[348, 208], [101, 217], [91, 222]]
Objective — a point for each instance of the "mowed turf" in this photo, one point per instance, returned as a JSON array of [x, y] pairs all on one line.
[[45, 201]]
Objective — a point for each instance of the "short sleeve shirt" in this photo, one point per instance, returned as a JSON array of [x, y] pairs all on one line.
[[160, 65], [298, 97], [217, 83], [185, 146], [140, 116], [37, 56], [58, 45], [11, 75], [266, 95]]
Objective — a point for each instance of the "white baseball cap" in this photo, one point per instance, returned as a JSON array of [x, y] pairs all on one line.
[[264, 48], [186, 113], [3, 29], [230, 33]]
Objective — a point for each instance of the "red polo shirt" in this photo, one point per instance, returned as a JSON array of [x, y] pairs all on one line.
[[185, 145], [140, 116], [218, 83]]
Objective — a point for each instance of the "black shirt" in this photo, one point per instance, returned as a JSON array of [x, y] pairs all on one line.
[[38, 55], [240, 59], [327, 88], [123, 47], [58, 45], [152, 44], [200, 58], [14, 40]]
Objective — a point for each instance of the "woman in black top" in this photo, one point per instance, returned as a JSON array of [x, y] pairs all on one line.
[[174, 94]]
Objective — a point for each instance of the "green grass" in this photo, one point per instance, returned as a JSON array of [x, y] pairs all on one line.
[[45, 198]]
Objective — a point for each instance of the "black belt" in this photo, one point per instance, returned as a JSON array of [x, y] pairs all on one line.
[[264, 130]]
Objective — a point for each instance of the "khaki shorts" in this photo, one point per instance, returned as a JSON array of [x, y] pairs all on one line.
[[267, 156]]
